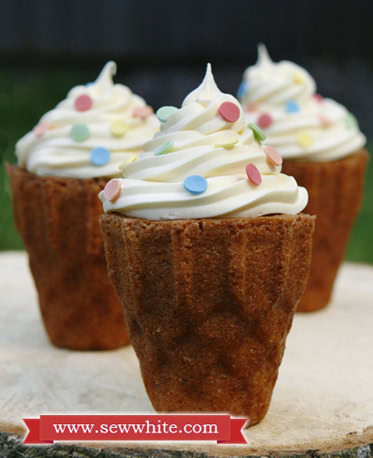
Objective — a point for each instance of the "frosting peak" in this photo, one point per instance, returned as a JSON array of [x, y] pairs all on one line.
[[207, 90], [98, 127], [281, 99], [104, 81], [203, 163]]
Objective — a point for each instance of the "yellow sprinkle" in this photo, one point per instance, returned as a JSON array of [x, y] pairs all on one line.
[[127, 162], [118, 128], [305, 140], [227, 143], [298, 78]]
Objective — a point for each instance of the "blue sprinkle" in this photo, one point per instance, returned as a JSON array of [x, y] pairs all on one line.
[[292, 107], [88, 84], [242, 90], [196, 184], [100, 156]]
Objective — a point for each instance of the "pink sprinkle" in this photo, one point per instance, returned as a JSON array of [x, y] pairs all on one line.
[[229, 111], [264, 120], [40, 129], [142, 112], [253, 174], [273, 156], [325, 121], [319, 98], [112, 190], [83, 102], [252, 107]]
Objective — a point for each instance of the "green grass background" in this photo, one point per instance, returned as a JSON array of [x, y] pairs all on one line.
[[24, 98]]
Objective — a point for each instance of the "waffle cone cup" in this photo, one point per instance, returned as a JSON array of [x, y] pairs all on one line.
[[58, 221], [208, 304], [335, 193]]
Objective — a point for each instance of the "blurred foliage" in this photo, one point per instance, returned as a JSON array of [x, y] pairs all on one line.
[[21, 109]]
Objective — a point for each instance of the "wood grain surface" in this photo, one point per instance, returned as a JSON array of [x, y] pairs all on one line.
[[322, 403]]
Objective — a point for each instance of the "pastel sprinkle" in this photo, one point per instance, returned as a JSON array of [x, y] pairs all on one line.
[[112, 190], [83, 102], [257, 132], [251, 107], [40, 129], [253, 174], [325, 121], [100, 156], [229, 143], [196, 184], [319, 98], [142, 112], [264, 120], [305, 140], [164, 149], [124, 164], [298, 78], [118, 128], [89, 84], [79, 132], [273, 156], [242, 89], [165, 112], [229, 111], [351, 121], [292, 107]]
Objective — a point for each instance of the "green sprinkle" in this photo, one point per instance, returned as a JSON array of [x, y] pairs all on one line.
[[351, 121], [164, 149], [257, 131], [79, 132], [164, 112]]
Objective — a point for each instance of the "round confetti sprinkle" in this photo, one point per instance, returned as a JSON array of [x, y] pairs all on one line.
[[351, 121], [252, 107], [165, 112], [253, 174], [83, 102], [305, 140], [298, 78], [319, 98], [142, 112], [229, 143], [292, 107], [127, 162], [164, 149], [40, 129], [242, 89], [196, 184], [100, 156], [112, 190], [257, 131], [79, 132], [325, 121], [229, 111], [118, 128], [264, 120], [273, 156]]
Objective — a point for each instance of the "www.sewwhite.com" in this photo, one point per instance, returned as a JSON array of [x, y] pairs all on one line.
[[139, 428]]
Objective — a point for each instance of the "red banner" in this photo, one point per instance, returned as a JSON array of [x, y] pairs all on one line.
[[50, 428]]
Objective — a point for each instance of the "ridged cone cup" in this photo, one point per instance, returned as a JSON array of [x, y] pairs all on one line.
[[335, 192], [58, 221], [208, 304]]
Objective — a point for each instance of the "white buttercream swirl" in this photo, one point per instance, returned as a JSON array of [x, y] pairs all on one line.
[[153, 186], [322, 129], [56, 153]]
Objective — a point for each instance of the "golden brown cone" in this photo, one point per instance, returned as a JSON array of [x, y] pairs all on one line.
[[209, 304], [58, 221], [335, 192]]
